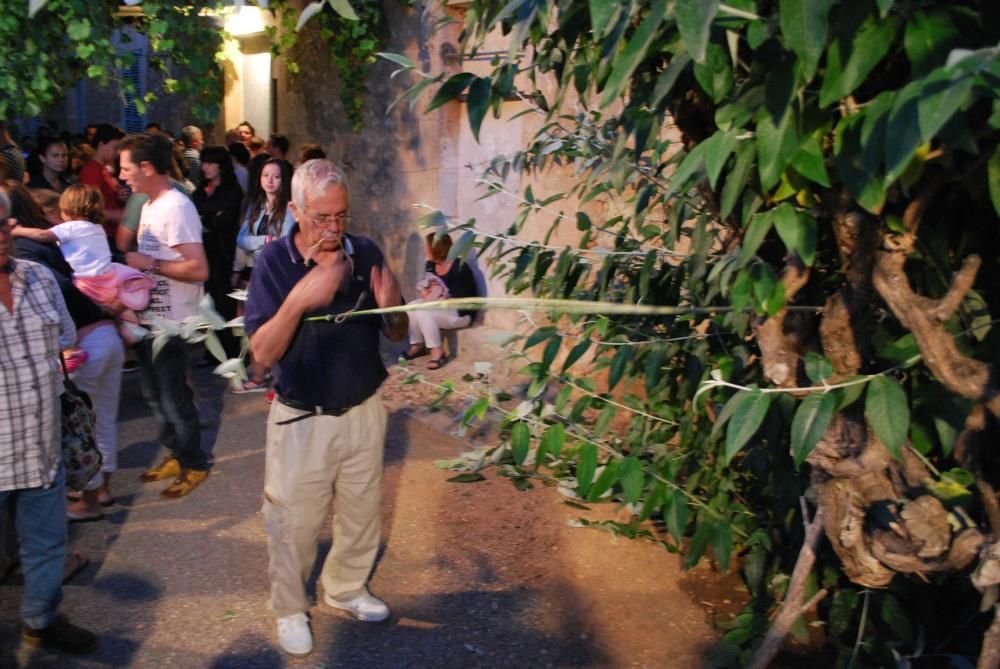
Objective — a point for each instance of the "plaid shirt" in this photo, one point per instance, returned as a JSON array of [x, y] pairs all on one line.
[[31, 378]]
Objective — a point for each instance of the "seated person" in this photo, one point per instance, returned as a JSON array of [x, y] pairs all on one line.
[[441, 279]]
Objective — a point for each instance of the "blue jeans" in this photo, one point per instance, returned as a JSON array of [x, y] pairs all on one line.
[[40, 517], [165, 387]]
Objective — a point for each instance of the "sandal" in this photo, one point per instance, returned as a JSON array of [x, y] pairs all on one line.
[[437, 363], [251, 386], [410, 354], [75, 563]]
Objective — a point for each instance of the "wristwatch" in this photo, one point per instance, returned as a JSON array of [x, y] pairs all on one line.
[[155, 267]]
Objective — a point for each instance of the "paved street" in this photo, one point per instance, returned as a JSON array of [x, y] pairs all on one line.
[[477, 575]]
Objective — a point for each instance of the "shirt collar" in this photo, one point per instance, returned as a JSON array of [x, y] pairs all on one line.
[[293, 250]]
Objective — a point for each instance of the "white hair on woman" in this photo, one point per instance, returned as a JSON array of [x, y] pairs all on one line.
[[312, 178]]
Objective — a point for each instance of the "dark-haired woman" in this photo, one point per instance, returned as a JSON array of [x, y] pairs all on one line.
[[53, 156], [218, 201], [267, 217]]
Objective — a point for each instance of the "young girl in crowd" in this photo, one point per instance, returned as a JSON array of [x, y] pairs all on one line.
[[84, 245], [267, 217]]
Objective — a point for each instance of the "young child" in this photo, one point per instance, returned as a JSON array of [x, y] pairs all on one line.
[[85, 247]]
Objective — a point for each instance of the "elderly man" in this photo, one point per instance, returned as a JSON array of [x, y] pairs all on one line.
[[326, 429], [193, 140], [34, 326], [170, 249]]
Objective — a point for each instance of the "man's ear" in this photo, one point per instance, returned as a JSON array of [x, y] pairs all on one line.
[[295, 211], [147, 168]]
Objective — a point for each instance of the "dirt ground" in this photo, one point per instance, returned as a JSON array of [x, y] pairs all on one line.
[[477, 575]]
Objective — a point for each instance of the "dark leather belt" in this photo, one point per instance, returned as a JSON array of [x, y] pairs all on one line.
[[312, 410]]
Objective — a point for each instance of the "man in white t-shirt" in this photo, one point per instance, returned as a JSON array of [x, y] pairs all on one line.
[[170, 249]]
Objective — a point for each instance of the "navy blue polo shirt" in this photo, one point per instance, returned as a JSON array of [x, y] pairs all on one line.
[[328, 364]]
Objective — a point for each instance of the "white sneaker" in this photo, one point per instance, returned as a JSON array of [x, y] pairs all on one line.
[[294, 635], [364, 607]]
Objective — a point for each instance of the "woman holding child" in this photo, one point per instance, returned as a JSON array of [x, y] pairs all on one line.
[[99, 371]]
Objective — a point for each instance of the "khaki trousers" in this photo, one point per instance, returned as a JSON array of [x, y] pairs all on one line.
[[309, 462]]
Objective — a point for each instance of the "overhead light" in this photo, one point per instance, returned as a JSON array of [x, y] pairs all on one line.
[[246, 20]]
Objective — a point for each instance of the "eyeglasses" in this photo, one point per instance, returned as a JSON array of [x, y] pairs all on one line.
[[325, 221]]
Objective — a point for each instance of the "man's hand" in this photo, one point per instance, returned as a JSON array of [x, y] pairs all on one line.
[[384, 287], [321, 283]]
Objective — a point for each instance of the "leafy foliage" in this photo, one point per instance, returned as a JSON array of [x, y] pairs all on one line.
[[41, 57], [729, 140], [351, 31]]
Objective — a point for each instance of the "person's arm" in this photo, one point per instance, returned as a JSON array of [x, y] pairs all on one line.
[[386, 291], [271, 340], [194, 266], [36, 234], [125, 238], [248, 242]]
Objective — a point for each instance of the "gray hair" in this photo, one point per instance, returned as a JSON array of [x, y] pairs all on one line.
[[188, 133], [313, 178]]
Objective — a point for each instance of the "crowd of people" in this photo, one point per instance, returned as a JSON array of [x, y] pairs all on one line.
[[99, 235]]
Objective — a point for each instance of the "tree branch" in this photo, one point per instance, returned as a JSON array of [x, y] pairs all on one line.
[[792, 608]]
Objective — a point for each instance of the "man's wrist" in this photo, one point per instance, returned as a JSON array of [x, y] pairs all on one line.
[[154, 267]]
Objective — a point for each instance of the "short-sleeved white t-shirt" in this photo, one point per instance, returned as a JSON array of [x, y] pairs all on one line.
[[85, 247], [166, 222]]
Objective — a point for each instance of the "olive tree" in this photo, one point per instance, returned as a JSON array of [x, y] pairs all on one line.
[[807, 194]]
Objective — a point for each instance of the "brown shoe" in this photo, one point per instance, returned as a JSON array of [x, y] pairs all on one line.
[[167, 469], [61, 636], [188, 480]]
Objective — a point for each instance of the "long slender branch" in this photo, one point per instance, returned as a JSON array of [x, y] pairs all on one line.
[[793, 607]]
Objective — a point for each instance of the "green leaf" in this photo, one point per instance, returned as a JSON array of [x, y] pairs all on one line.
[[619, 363], [607, 478], [760, 225], [397, 58], [451, 89], [78, 30], [809, 425], [809, 161], [520, 441], [665, 82], [676, 514], [776, 145], [693, 162], [803, 24], [722, 546], [467, 477], [586, 465], [940, 97], [818, 367], [540, 335], [603, 421], [214, 346], [797, 230], [694, 22], [930, 34], [551, 350], [551, 443], [634, 53], [853, 55], [575, 353], [632, 479], [737, 178], [479, 101], [720, 146], [462, 246], [746, 419], [600, 16], [343, 7], [993, 178], [582, 221], [888, 412]]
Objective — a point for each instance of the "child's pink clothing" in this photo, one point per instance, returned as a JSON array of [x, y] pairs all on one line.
[[126, 284]]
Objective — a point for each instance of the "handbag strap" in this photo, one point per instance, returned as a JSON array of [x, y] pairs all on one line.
[[62, 360]]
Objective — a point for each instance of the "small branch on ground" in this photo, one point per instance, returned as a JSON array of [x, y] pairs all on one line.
[[793, 607]]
